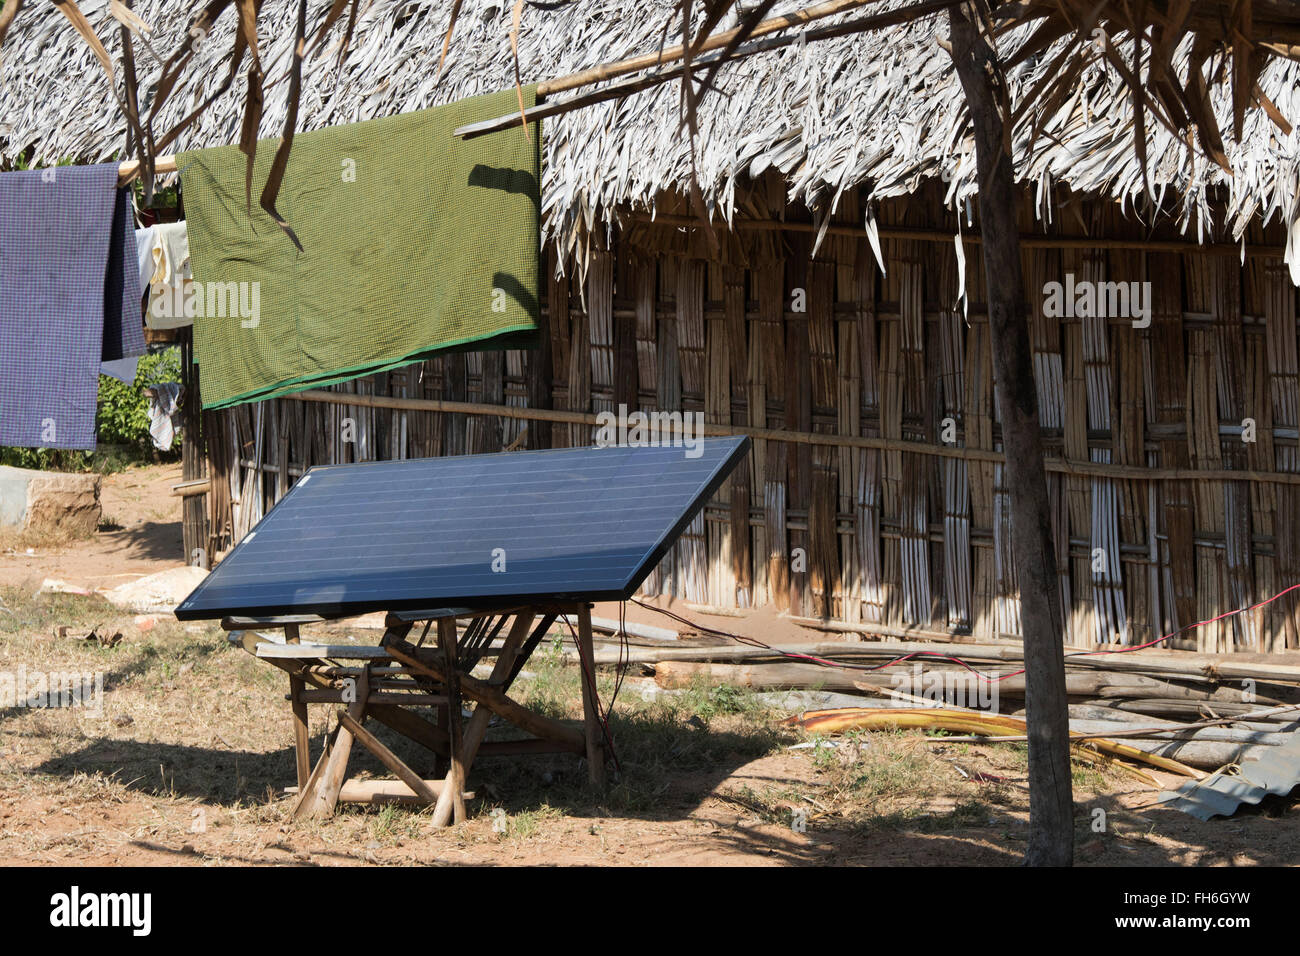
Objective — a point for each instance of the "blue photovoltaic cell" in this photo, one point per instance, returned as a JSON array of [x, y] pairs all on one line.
[[571, 523]]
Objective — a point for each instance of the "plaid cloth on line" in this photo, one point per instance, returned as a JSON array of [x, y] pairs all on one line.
[[69, 300], [413, 242]]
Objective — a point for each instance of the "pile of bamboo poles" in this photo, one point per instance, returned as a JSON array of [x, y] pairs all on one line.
[[1197, 710]]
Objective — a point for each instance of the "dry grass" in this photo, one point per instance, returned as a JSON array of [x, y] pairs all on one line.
[[13, 541]]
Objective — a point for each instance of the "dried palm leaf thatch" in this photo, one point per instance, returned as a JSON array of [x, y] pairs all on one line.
[[1170, 55], [881, 110]]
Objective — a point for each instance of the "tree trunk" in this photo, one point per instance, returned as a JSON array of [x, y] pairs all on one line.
[[1051, 825]]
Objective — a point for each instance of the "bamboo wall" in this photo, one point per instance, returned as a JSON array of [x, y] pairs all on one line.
[[889, 507]]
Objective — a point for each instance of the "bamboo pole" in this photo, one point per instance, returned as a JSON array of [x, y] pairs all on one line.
[[387, 791], [950, 680], [751, 47], [129, 170], [645, 61], [1059, 465], [884, 630], [992, 726], [1181, 731], [1027, 239], [196, 486]]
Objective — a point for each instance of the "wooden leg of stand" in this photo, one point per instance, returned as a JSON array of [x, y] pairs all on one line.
[[591, 713], [451, 801], [390, 760], [307, 793], [441, 765], [477, 727], [320, 799], [301, 738]]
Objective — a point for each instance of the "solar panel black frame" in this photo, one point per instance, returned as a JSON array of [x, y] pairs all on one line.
[[194, 607]]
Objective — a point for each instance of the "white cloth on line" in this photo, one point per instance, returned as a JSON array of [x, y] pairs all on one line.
[[144, 239], [164, 413], [171, 283]]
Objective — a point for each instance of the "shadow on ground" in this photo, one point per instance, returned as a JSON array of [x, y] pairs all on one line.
[[516, 783], [151, 540]]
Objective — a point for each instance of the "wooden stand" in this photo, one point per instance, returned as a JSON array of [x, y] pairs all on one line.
[[390, 681]]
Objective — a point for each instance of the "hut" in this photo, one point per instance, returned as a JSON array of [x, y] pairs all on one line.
[[834, 311]]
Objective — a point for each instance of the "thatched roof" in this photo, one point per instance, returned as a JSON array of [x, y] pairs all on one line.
[[880, 111]]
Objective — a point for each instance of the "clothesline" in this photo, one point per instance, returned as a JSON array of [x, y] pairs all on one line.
[[131, 169]]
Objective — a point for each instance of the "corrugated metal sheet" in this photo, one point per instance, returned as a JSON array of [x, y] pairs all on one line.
[[1261, 771]]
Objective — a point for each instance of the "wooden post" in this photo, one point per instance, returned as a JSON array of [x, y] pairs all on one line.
[[322, 795], [301, 735], [478, 723], [1051, 806], [591, 715], [441, 764], [455, 786], [313, 781], [194, 523]]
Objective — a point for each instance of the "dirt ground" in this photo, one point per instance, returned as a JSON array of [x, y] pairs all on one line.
[[140, 533], [186, 760]]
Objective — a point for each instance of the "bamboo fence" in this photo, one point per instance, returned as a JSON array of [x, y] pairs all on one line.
[[874, 492]]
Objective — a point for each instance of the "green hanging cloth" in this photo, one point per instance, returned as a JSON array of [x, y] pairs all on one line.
[[413, 242]]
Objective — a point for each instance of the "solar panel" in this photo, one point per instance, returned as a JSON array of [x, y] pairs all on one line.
[[478, 530]]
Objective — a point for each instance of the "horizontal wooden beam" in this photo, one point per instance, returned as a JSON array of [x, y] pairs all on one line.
[[243, 623], [1056, 465], [356, 652], [516, 748], [1028, 240], [645, 61], [129, 170], [199, 486], [395, 698], [383, 791]]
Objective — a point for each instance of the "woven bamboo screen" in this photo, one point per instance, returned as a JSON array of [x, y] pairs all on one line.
[[887, 506]]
